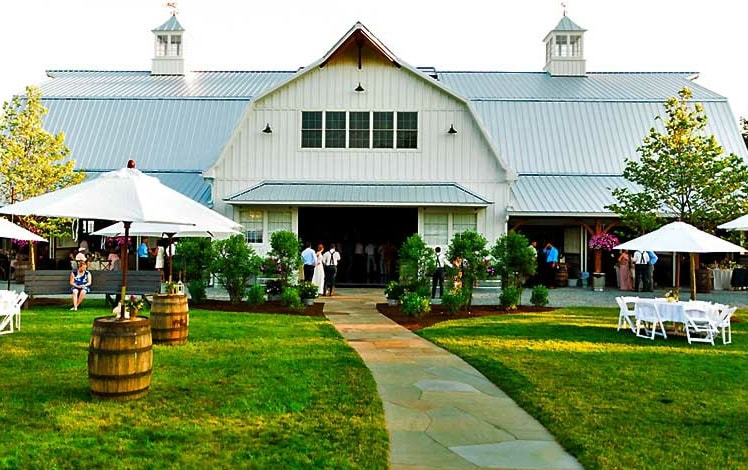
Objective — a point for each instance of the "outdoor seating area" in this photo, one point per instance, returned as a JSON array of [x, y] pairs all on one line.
[[10, 310], [701, 321]]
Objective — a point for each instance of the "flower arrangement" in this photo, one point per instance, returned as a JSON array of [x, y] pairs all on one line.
[[133, 304], [273, 287], [603, 241], [672, 295], [490, 272]]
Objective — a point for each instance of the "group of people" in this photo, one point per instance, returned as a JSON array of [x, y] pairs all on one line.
[[321, 267], [635, 272], [372, 262], [159, 253], [548, 262]]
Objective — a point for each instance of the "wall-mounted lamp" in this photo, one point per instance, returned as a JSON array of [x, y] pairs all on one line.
[[359, 88], [452, 130], [267, 129]]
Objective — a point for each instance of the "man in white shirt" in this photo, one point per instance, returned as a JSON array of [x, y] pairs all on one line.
[[641, 263], [438, 276], [330, 259]]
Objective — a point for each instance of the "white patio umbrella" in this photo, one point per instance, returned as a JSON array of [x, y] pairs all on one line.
[[10, 230], [126, 195], [147, 229], [682, 238], [741, 223]]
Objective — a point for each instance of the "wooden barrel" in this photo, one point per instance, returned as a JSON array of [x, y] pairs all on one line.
[[703, 281], [120, 358], [562, 276], [170, 319]]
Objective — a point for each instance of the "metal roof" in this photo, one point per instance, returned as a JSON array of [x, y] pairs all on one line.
[[333, 193], [166, 134], [191, 184], [564, 195], [141, 84], [171, 25], [567, 25]]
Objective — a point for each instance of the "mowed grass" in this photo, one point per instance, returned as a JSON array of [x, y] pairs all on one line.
[[611, 399], [246, 391]]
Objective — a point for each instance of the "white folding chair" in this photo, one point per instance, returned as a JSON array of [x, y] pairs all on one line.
[[698, 323], [625, 314], [8, 318], [648, 318], [724, 322], [20, 299]]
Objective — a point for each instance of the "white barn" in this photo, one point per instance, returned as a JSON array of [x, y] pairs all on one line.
[[361, 146]]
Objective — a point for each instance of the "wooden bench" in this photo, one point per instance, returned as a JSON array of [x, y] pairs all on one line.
[[56, 282]]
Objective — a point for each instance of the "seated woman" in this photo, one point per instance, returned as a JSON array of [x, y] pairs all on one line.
[[80, 284]]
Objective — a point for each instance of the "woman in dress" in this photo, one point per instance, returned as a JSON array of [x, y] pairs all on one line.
[[318, 278], [158, 252], [80, 284], [624, 271]]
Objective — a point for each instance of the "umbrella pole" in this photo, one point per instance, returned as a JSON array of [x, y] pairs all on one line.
[[676, 260], [124, 263], [692, 266], [171, 251]]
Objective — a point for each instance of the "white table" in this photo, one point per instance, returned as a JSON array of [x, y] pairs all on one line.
[[722, 278], [675, 311]]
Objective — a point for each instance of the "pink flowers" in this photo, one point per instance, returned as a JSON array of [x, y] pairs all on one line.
[[603, 241]]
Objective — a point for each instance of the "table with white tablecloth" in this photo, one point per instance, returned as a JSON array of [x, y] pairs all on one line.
[[675, 311], [721, 278]]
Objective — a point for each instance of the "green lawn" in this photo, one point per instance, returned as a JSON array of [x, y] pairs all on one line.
[[611, 399], [248, 390]]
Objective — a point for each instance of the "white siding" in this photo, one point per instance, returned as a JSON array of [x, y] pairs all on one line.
[[466, 157]]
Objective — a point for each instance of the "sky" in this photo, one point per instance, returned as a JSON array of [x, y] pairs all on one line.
[[497, 35]]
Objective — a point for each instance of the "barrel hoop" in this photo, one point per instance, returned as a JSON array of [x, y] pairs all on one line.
[[119, 394], [118, 352], [136, 375]]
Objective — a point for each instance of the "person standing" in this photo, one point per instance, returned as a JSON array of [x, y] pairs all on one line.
[[143, 260], [652, 261], [310, 261], [331, 258], [641, 264], [438, 276], [624, 271], [551, 263], [371, 262], [318, 278]]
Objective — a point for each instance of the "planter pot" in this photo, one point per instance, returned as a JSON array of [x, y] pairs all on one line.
[[274, 297], [308, 301], [598, 282], [393, 302], [572, 282]]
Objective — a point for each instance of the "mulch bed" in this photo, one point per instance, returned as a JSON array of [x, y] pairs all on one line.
[[314, 310], [439, 314]]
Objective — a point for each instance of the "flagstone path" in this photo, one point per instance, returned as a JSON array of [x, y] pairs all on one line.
[[440, 411]]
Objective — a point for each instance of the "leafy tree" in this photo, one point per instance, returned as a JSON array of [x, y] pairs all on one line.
[[417, 262], [514, 260], [744, 130], [286, 249], [195, 254], [234, 263], [469, 249], [31, 161], [682, 173]]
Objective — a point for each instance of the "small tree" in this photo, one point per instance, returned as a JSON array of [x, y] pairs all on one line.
[[514, 260], [196, 256], [286, 249], [417, 261], [683, 173], [469, 248], [234, 263], [31, 162]]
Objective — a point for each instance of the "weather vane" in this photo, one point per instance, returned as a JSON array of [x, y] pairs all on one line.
[[563, 5], [173, 6]]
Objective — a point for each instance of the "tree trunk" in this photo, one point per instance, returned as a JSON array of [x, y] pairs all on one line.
[[32, 256]]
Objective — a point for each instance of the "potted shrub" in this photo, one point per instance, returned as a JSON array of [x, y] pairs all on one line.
[[393, 292], [273, 288], [308, 292]]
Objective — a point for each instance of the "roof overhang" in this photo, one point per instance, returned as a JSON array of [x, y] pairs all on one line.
[[388, 194]]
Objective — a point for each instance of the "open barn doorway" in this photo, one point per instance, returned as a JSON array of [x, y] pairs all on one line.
[[353, 230]]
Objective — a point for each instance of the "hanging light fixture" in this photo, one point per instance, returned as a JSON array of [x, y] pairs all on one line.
[[267, 129], [359, 88], [452, 129]]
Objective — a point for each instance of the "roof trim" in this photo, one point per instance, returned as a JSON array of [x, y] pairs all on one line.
[[356, 33]]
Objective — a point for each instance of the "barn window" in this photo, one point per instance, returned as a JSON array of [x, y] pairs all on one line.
[[407, 130], [252, 222], [311, 129]]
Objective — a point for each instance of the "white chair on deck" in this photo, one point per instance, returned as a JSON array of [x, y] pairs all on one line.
[[724, 322], [626, 314], [648, 318], [699, 326]]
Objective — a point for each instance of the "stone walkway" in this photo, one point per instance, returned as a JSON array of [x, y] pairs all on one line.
[[440, 411]]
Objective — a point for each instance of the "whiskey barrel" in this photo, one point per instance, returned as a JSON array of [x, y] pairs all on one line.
[[120, 358], [170, 319], [562, 276], [703, 281]]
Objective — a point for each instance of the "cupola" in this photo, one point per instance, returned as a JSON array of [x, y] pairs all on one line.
[[168, 48], [564, 50]]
